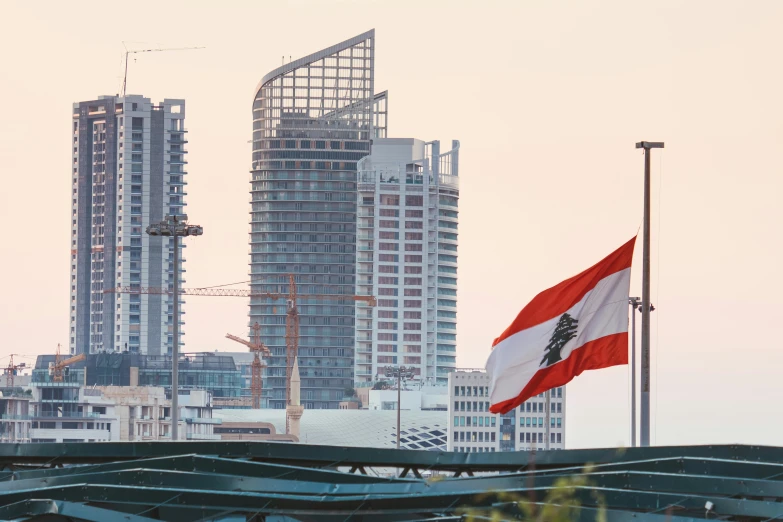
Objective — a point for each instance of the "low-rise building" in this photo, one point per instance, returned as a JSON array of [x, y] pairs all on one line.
[[15, 420], [537, 424]]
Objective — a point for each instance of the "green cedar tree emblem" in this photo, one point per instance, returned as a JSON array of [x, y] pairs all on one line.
[[564, 332]]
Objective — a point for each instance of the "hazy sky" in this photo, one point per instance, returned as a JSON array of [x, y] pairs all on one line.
[[547, 99]]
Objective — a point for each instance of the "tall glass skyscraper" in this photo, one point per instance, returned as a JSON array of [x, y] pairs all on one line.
[[128, 170], [313, 120]]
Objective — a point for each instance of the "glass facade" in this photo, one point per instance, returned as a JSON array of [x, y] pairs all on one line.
[[313, 120]]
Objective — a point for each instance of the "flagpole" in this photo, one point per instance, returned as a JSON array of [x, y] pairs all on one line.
[[644, 424], [634, 302]]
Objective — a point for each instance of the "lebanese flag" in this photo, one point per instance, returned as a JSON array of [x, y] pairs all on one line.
[[580, 324]]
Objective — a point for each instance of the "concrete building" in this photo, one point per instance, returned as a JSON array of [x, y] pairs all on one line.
[[128, 170], [144, 413], [407, 215], [15, 420], [537, 424], [69, 412], [313, 120]]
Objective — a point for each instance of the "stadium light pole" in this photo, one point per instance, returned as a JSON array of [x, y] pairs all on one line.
[[400, 372], [175, 226], [644, 427]]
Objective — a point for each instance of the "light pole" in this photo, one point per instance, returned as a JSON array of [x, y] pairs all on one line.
[[645, 373], [636, 304], [400, 372], [175, 227]]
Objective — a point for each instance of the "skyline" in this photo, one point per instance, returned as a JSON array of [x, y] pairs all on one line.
[[626, 75]]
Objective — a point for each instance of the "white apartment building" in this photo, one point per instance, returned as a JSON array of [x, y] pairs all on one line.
[[406, 241], [144, 413], [67, 413], [128, 170], [14, 416], [537, 424]]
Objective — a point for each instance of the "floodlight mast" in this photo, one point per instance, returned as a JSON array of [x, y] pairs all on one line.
[[175, 226]]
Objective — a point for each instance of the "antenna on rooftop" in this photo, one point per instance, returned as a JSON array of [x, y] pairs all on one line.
[[136, 51]]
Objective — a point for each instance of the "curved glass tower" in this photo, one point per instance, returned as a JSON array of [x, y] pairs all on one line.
[[313, 120]]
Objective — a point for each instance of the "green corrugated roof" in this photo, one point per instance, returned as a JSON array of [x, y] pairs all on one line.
[[215, 481]]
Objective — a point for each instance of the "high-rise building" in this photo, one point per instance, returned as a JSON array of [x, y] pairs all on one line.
[[407, 256], [536, 424], [313, 120], [128, 171]]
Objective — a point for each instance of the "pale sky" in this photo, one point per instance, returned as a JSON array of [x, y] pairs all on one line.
[[547, 99]]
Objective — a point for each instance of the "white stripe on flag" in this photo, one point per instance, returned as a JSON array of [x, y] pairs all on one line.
[[602, 311]]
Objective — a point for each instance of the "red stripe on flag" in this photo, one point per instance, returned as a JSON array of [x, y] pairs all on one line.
[[560, 298], [611, 350]]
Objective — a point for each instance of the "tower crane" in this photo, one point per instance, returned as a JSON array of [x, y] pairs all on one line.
[[57, 369], [258, 348], [136, 51], [11, 370], [292, 312]]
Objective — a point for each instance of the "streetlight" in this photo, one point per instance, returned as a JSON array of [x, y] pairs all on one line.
[[175, 227], [636, 304], [400, 372]]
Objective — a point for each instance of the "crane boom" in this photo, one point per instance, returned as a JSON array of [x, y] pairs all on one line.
[[230, 292], [136, 51]]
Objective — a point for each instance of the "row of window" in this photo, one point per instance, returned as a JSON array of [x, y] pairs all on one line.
[[474, 450], [555, 422], [478, 421], [471, 391], [528, 437], [468, 406], [474, 436]]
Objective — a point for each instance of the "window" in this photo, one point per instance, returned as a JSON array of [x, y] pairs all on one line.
[[493, 422], [388, 199], [456, 420], [414, 201]]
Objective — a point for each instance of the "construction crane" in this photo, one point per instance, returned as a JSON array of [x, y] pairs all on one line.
[[136, 51], [292, 310], [257, 348], [11, 370], [57, 369]]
